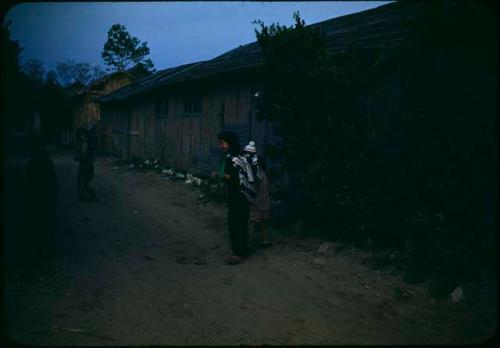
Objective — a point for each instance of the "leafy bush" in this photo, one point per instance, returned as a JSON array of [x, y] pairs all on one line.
[[399, 149]]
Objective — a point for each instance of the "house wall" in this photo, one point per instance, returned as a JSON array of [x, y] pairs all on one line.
[[180, 140], [141, 131], [192, 139], [113, 125], [185, 141]]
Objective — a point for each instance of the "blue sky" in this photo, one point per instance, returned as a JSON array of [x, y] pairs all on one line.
[[176, 32]]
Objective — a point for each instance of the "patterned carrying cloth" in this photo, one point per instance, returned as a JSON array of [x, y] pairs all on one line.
[[259, 209], [246, 179]]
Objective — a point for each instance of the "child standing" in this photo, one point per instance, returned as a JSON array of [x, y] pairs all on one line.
[[259, 207]]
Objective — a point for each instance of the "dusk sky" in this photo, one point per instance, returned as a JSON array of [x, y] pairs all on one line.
[[176, 32]]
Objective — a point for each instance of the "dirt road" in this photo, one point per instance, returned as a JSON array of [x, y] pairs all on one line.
[[143, 266]]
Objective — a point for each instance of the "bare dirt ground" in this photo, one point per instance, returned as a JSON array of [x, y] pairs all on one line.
[[143, 266]]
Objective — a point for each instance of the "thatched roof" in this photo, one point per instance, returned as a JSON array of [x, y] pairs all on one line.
[[385, 27], [94, 88], [101, 81]]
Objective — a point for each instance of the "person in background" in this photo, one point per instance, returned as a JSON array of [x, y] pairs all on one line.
[[259, 207], [85, 157], [237, 203]]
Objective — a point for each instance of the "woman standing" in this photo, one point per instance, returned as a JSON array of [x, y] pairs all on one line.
[[238, 204]]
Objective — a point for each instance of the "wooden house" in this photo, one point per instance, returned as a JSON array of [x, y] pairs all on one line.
[[175, 114], [86, 107]]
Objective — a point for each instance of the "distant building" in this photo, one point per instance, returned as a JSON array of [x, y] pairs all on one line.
[[87, 107]]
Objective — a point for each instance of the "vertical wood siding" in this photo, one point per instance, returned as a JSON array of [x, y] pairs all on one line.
[[181, 141]]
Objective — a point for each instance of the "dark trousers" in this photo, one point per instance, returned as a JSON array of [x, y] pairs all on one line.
[[238, 214]]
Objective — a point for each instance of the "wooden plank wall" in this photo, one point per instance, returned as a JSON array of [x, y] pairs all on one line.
[[113, 122], [136, 131], [190, 138], [181, 141]]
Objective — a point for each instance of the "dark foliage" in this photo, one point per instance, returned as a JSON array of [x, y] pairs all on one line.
[[69, 72], [396, 148], [10, 52], [121, 49], [26, 91]]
